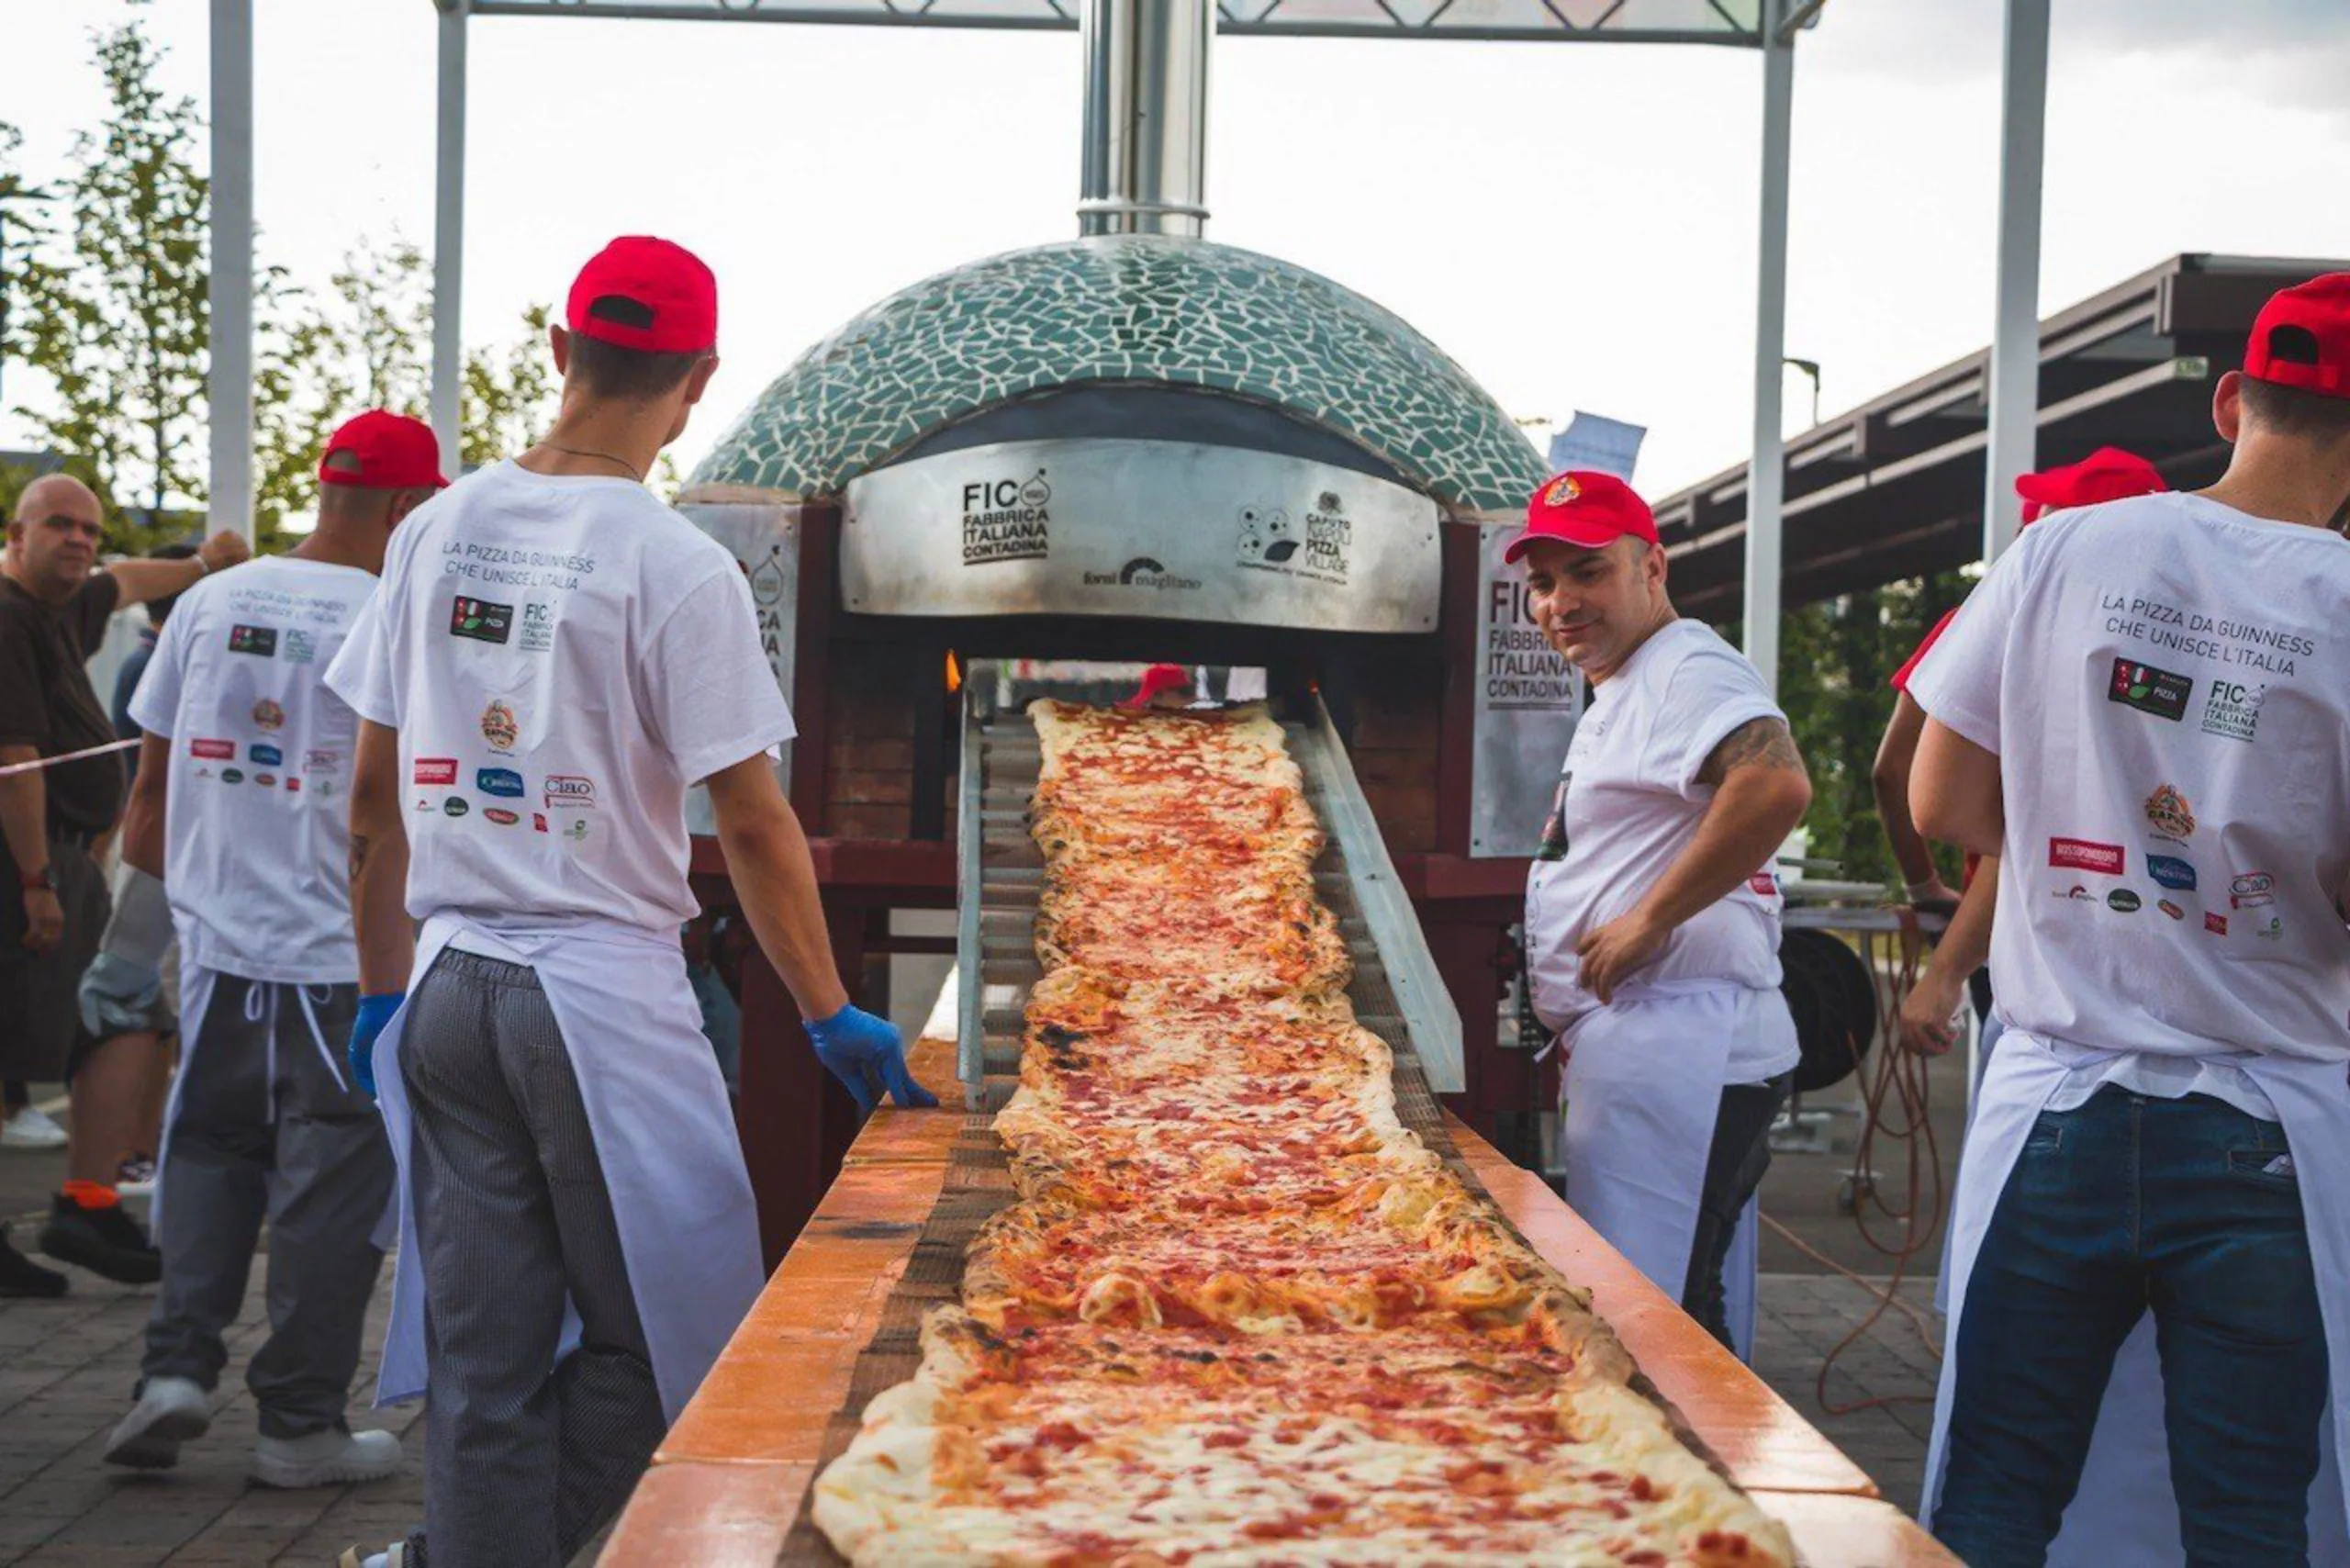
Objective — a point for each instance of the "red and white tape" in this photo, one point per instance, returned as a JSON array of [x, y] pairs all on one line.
[[38, 763]]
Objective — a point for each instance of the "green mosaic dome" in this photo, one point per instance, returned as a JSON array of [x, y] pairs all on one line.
[[1129, 308]]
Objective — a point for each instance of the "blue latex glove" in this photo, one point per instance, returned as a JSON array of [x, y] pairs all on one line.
[[375, 1012], [865, 1053]]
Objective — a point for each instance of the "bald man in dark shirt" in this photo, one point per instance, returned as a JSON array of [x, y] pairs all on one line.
[[54, 607]]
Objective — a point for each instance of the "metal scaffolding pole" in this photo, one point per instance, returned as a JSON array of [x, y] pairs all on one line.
[[229, 390], [1766, 472], [449, 237], [2014, 394]]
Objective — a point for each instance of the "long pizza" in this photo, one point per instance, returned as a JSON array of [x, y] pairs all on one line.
[[1239, 1313]]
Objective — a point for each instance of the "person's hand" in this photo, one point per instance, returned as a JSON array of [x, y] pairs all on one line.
[[1606, 956], [44, 919], [223, 550], [866, 1054], [1927, 1015], [375, 1012]]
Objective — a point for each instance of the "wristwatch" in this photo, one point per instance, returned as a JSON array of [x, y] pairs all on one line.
[[44, 878]]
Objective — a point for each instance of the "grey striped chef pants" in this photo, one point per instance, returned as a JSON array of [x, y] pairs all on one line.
[[525, 1459], [266, 1126]]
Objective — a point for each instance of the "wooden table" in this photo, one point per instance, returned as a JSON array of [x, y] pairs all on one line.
[[727, 1484]]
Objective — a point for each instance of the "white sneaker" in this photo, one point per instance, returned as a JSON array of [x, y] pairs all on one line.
[[171, 1411], [326, 1459], [31, 1127]]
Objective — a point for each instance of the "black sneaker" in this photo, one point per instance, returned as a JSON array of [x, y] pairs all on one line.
[[20, 1276], [105, 1241]]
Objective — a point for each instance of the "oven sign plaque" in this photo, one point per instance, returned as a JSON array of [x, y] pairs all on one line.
[[1162, 529]]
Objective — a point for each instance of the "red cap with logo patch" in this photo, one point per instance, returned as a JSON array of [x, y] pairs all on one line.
[[2301, 338], [646, 294], [2109, 474], [1585, 509], [383, 450]]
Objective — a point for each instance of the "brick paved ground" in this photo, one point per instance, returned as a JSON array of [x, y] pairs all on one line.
[[66, 1371]]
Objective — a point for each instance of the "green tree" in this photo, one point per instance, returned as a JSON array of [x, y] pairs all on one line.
[[1835, 658], [116, 312], [508, 393]]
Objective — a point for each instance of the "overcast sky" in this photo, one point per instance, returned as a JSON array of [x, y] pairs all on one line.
[[1575, 224]]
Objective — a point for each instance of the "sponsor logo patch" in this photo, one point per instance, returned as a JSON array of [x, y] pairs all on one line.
[[499, 727], [2171, 872], [2217, 925], [423, 804], [301, 648], [436, 770], [2170, 909], [260, 640], [501, 815], [2082, 854], [500, 781], [232, 776], [2232, 709], [2077, 892], [570, 792], [2150, 691], [538, 628], [1763, 885], [266, 781], [2251, 889], [2173, 818], [2122, 901], [538, 822], [322, 762], [293, 785], [577, 831], [455, 806], [216, 751], [480, 620], [267, 756], [268, 715]]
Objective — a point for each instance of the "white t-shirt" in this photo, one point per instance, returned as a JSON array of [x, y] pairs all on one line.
[[2166, 685], [1629, 803], [257, 827], [563, 658]]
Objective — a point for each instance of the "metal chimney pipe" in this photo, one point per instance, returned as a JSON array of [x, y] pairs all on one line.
[[1145, 116]]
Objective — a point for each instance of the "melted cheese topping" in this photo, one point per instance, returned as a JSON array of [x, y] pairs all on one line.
[[1240, 1314]]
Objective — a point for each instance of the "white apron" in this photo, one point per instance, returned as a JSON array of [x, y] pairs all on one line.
[[2125, 1511], [664, 1135], [1643, 1086]]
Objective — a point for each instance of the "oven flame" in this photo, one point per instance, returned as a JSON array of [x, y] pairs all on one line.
[[954, 674]]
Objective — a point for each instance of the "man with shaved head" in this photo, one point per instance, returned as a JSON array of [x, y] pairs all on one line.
[[54, 608]]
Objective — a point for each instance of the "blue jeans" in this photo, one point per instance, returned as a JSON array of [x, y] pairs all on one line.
[[2188, 1207]]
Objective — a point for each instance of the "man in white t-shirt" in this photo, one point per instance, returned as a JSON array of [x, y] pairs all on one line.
[[2145, 714], [554, 659], [1651, 909], [239, 806]]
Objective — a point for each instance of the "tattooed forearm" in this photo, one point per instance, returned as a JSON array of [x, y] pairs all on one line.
[[1763, 742], [358, 854]]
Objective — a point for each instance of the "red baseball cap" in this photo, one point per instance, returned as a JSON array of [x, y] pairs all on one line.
[[646, 294], [383, 450], [1585, 509], [2301, 338], [2109, 474]]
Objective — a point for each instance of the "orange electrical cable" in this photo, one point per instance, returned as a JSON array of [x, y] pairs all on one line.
[[1893, 1075]]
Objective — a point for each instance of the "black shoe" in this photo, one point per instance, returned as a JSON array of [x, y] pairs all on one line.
[[105, 1241], [20, 1276]]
